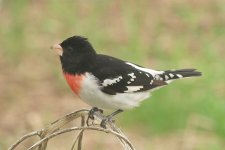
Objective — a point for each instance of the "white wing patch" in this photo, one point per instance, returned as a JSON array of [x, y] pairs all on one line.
[[157, 77], [166, 77], [133, 88], [132, 75], [107, 82], [179, 75], [151, 81], [152, 72], [171, 75]]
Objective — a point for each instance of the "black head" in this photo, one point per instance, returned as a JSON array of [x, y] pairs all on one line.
[[77, 54], [77, 44]]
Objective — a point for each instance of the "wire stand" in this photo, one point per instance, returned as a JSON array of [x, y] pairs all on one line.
[[56, 128]]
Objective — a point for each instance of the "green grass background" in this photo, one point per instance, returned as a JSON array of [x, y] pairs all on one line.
[[164, 34]]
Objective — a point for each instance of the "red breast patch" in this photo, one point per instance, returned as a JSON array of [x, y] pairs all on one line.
[[74, 82]]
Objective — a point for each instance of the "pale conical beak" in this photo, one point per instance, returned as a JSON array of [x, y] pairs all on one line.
[[58, 49]]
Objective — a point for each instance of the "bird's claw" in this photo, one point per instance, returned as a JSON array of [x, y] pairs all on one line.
[[91, 115], [106, 120]]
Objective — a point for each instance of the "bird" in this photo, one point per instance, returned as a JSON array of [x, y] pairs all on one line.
[[106, 82]]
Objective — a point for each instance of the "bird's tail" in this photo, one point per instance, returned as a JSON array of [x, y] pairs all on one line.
[[170, 75]]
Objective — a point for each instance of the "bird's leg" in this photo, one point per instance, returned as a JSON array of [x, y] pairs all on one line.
[[91, 114], [109, 118]]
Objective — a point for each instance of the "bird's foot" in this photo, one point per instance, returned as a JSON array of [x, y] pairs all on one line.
[[106, 120], [91, 115]]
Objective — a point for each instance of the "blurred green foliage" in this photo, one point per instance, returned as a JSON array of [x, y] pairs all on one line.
[[158, 34]]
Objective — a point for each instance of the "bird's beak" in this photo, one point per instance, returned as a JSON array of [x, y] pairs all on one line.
[[58, 49]]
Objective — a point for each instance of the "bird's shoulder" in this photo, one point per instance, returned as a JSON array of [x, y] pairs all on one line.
[[106, 66]]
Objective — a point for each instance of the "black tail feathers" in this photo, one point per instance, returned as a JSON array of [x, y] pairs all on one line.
[[181, 73]]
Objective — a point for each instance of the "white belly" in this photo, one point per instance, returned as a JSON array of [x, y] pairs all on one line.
[[95, 97]]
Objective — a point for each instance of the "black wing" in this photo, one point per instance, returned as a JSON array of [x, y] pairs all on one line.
[[116, 76]]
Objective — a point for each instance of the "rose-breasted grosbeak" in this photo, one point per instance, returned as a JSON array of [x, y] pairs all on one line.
[[109, 83]]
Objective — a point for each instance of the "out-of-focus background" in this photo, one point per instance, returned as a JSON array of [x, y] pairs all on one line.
[[160, 34]]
